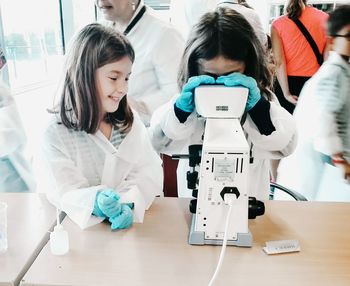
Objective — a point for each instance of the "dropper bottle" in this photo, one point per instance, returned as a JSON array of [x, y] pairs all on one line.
[[59, 242]]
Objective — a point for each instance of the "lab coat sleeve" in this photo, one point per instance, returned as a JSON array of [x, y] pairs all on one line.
[[279, 143], [12, 135], [166, 60], [147, 177], [330, 100], [146, 171], [168, 134], [66, 186]]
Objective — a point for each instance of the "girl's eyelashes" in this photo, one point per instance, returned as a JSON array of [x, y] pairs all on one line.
[[115, 78]]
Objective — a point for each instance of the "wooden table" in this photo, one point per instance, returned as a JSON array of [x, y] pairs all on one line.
[[157, 253], [29, 218]]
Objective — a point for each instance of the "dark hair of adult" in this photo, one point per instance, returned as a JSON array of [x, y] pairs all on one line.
[[226, 33], [338, 19], [80, 108], [295, 8]]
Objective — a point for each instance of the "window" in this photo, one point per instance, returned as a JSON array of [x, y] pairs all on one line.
[[158, 4], [34, 37], [32, 41]]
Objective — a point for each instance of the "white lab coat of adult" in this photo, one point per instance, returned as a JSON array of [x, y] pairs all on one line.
[[194, 9], [158, 49], [13, 139], [251, 16], [80, 164], [168, 134]]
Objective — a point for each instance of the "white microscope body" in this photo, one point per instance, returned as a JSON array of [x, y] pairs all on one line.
[[224, 167]]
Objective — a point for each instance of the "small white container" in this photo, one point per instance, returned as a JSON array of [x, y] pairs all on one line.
[[59, 242]]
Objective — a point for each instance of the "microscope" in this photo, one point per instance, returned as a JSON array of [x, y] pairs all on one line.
[[224, 161]]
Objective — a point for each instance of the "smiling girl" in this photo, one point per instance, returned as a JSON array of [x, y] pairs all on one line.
[[97, 150]]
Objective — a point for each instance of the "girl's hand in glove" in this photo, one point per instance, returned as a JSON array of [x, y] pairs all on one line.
[[107, 203], [238, 79], [185, 101], [123, 220]]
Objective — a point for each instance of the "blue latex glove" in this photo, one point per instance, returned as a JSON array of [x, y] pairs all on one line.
[[238, 79], [107, 204], [123, 220], [185, 101]]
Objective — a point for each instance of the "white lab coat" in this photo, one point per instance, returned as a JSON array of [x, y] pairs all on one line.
[[169, 135], [251, 16], [194, 9], [80, 164], [317, 129], [13, 139], [158, 49]]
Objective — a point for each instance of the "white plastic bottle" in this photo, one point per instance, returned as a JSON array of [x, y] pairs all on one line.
[[59, 242]]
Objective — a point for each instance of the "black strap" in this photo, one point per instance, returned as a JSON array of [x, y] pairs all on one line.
[[228, 2], [309, 38], [135, 20]]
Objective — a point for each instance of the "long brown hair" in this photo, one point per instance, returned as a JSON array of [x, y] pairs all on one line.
[[294, 8], [93, 47], [226, 33]]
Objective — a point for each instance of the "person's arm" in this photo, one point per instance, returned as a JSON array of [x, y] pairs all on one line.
[[12, 135], [278, 144], [341, 163], [280, 62], [260, 114], [332, 116], [168, 134], [258, 28], [64, 183], [165, 57], [146, 172]]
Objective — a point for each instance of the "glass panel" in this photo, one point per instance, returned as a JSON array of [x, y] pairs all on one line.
[[33, 42], [158, 4]]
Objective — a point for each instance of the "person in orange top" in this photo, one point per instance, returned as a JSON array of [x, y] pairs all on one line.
[[294, 58]]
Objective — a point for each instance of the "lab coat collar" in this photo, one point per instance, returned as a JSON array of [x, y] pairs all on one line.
[[135, 136], [335, 58]]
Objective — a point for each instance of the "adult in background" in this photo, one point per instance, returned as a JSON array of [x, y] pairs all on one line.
[[158, 49], [293, 55], [15, 170], [194, 9], [322, 117], [241, 6], [294, 58]]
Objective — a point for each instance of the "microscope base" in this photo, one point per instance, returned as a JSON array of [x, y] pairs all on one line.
[[197, 238]]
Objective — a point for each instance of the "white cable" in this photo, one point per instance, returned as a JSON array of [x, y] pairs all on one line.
[[224, 242]]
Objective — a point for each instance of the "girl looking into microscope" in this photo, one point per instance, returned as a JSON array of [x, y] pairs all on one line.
[[223, 49]]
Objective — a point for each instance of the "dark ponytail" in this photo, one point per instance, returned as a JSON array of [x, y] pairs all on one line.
[[295, 8]]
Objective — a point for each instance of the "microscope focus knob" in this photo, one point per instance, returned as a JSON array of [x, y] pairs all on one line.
[[255, 208], [193, 206], [192, 180]]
